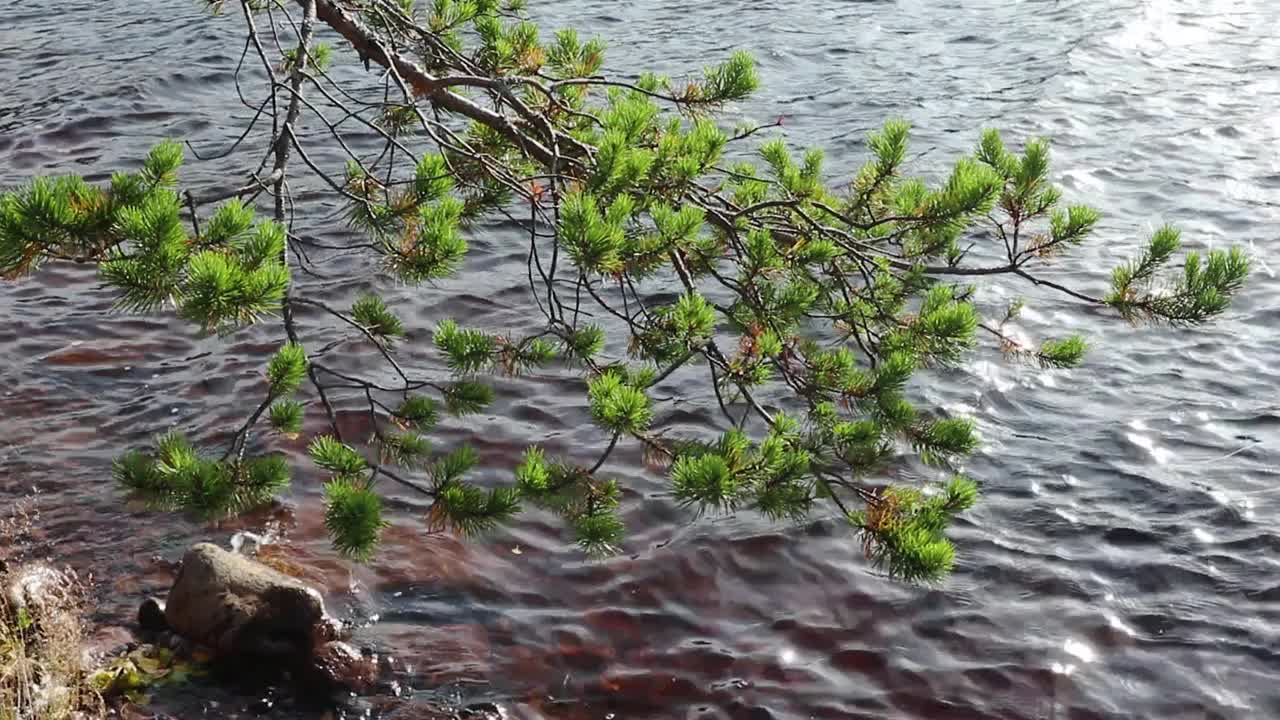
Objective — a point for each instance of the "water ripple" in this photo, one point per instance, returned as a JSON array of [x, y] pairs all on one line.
[[1121, 564]]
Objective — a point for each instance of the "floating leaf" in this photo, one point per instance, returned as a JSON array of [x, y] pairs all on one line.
[[153, 667], [121, 678]]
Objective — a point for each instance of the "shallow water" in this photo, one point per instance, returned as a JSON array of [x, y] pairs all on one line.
[[1122, 563]]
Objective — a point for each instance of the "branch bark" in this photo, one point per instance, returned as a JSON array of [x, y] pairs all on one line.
[[426, 85]]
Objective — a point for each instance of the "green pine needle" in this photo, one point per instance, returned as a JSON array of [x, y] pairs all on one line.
[[734, 80], [960, 494], [229, 224], [943, 441], [136, 471], [599, 533], [472, 511], [616, 406], [706, 481], [419, 412], [432, 179], [206, 488], [161, 166], [287, 369], [533, 474], [1066, 353], [334, 456], [585, 342], [467, 351], [453, 466], [1203, 292], [262, 478], [1073, 225], [353, 517], [404, 449], [371, 313], [263, 247], [467, 398], [285, 417]]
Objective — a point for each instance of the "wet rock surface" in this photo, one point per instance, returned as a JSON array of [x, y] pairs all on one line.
[[423, 709], [337, 666], [259, 624], [239, 607], [272, 650], [36, 589], [151, 616]]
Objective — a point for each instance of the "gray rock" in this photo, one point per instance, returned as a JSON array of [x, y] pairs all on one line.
[[256, 618], [151, 616], [37, 589], [238, 606], [336, 667]]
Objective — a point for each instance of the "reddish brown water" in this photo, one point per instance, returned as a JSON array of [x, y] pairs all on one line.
[[1121, 565]]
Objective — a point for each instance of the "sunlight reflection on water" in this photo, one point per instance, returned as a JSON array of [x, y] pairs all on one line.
[[1159, 110]]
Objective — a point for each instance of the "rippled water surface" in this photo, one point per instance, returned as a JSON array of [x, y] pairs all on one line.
[[1123, 563]]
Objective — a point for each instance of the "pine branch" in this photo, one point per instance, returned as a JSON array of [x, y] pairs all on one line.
[[823, 299]]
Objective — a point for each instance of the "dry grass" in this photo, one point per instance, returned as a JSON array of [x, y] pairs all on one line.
[[42, 672]]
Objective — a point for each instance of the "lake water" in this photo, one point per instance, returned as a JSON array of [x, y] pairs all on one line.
[[1123, 562]]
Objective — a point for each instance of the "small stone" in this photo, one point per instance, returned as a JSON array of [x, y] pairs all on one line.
[[37, 588], [151, 616], [337, 667]]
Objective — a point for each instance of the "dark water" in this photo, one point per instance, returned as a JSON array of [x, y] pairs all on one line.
[[1122, 565]]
